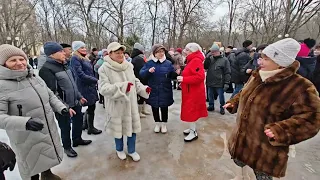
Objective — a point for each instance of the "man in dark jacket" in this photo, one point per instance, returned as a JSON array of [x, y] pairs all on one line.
[[60, 80], [68, 50], [94, 56], [218, 76], [238, 60], [138, 62]]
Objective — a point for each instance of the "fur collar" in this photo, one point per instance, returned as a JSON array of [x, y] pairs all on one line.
[[79, 56], [284, 74], [115, 65], [156, 60]]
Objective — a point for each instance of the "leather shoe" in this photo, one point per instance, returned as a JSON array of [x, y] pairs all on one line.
[[70, 152], [81, 142]]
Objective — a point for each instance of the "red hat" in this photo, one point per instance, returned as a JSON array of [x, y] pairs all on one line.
[[179, 50]]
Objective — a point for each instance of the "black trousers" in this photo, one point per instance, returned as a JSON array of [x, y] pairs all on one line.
[[156, 114], [141, 100], [91, 109]]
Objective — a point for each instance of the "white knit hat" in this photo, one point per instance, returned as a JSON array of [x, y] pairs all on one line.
[[76, 45], [193, 47], [283, 52]]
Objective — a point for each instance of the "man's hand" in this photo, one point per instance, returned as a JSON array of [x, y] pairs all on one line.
[[66, 112], [83, 101]]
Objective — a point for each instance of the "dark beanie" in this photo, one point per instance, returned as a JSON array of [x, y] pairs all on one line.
[[65, 45], [246, 43], [51, 48]]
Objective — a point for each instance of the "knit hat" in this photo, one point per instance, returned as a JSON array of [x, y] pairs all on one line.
[[193, 47], [179, 50], [114, 46], [51, 48], [65, 45], [138, 46], [155, 48], [283, 52], [214, 48], [246, 43], [76, 45], [7, 51]]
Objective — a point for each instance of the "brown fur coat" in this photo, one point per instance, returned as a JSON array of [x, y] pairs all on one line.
[[286, 103]]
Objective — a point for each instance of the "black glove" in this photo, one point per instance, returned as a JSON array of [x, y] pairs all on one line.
[[65, 112], [33, 125], [225, 87], [7, 157]]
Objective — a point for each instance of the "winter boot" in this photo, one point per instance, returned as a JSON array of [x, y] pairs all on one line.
[[157, 128], [48, 175], [192, 136], [91, 128], [85, 121], [164, 128], [144, 109], [140, 111]]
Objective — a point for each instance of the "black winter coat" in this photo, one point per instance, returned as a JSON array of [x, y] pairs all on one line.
[[316, 75], [138, 63], [307, 66], [218, 71], [238, 60]]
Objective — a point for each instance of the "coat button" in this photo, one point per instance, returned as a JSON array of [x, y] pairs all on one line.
[[245, 116]]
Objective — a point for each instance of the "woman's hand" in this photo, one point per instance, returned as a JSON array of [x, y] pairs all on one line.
[[269, 133], [180, 78], [228, 105], [152, 70]]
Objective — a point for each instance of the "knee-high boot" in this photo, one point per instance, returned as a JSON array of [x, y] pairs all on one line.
[[91, 128]]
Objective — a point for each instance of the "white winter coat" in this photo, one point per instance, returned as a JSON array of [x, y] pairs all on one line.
[[122, 108], [36, 151]]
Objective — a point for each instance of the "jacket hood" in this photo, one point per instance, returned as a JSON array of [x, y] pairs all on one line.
[[135, 52], [116, 66], [7, 74], [195, 55], [286, 73]]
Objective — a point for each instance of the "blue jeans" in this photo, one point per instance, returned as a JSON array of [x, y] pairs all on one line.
[[65, 126], [237, 89], [220, 92], [131, 142]]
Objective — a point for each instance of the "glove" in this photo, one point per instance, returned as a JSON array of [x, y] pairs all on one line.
[[33, 125], [7, 157], [226, 87], [129, 86], [65, 112], [148, 90]]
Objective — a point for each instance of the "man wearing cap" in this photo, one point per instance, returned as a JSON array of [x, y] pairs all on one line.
[[218, 76], [238, 60], [67, 49], [59, 79]]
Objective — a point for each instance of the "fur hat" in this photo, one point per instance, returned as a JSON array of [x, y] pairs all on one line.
[[7, 51], [155, 48], [283, 52]]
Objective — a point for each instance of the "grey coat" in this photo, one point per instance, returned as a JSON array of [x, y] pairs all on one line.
[[36, 151], [218, 71]]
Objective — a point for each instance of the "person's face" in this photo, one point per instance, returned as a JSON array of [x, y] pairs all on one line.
[[228, 50], [95, 52], [17, 63], [187, 52], [160, 54], [126, 55], [250, 47], [267, 64], [215, 53], [317, 51], [68, 51], [83, 50], [117, 56], [59, 56]]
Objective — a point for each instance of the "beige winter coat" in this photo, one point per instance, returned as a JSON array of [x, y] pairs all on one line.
[[122, 109], [36, 151]]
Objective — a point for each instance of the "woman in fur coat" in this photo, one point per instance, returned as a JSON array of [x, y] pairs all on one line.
[[276, 108], [120, 87]]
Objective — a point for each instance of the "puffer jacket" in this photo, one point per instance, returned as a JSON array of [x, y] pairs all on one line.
[[85, 79], [307, 66], [238, 60], [36, 151], [218, 71]]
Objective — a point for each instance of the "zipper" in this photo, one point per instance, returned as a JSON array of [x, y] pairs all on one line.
[[45, 115], [19, 106]]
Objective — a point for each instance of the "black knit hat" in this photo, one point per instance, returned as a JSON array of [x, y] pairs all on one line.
[[64, 45], [310, 42], [246, 43]]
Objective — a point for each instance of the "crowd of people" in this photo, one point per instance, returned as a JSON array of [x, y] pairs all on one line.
[[276, 107]]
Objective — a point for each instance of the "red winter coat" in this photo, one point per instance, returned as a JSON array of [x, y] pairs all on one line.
[[193, 104]]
